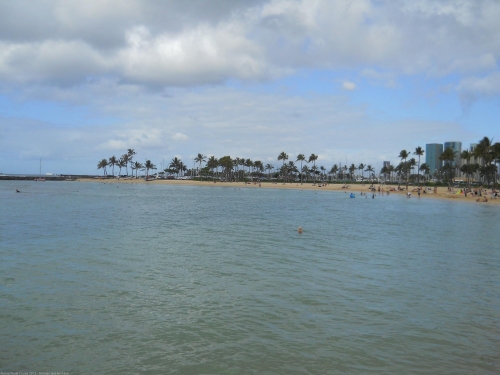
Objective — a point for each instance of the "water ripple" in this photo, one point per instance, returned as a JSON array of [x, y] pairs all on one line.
[[183, 280]]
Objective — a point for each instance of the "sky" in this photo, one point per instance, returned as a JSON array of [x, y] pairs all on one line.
[[350, 81]]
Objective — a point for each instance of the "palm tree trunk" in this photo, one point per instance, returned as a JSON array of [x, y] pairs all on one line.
[[418, 171]]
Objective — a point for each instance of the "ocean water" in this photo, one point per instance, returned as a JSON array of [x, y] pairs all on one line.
[[118, 279]]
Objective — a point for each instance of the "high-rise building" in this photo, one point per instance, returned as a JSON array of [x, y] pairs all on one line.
[[387, 164], [473, 159], [457, 147], [432, 153]]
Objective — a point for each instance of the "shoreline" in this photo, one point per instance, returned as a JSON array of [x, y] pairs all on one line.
[[442, 192]]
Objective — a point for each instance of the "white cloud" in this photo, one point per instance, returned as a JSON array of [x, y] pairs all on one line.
[[197, 56], [471, 88], [349, 86], [49, 62], [180, 137], [489, 85], [113, 145], [209, 44]]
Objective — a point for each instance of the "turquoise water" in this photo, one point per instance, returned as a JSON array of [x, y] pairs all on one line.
[[116, 278]]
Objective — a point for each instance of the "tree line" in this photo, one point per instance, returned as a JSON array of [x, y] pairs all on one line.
[[485, 155], [123, 162]]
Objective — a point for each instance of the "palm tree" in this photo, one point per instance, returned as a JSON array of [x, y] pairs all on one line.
[[137, 166], [369, 169], [130, 154], [212, 163], [361, 167], [404, 155], [344, 171], [352, 168], [125, 159], [425, 168], [313, 159], [390, 169], [113, 161], [236, 164], [148, 165], [227, 165], [385, 171], [283, 156], [466, 155], [399, 170], [305, 171], [419, 152], [242, 163], [259, 166], [314, 171], [301, 158], [291, 168], [448, 156], [411, 165], [334, 170], [483, 153], [200, 159], [121, 163], [249, 164], [496, 153], [176, 164], [323, 170], [268, 168], [103, 164]]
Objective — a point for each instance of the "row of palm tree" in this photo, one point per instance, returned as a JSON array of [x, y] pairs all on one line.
[[486, 155], [123, 162], [231, 167]]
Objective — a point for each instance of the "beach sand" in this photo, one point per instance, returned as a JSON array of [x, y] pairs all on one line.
[[442, 192]]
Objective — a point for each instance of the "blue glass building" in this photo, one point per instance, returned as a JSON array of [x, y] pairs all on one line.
[[432, 153], [457, 147]]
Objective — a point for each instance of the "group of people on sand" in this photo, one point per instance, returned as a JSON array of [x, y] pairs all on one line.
[[381, 189], [480, 194]]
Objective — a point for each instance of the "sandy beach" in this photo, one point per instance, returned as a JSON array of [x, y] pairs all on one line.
[[442, 192]]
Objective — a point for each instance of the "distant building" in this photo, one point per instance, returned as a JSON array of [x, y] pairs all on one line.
[[457, 147], [471, 150], [387, 164], [432, 153]]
